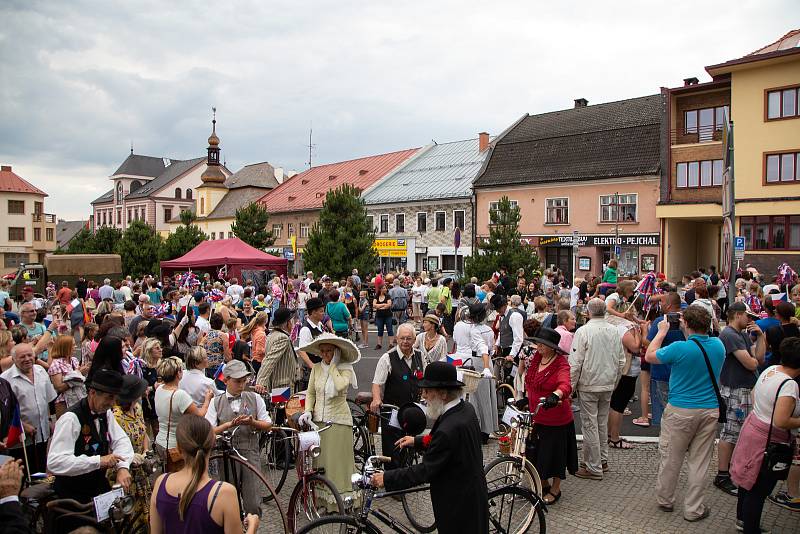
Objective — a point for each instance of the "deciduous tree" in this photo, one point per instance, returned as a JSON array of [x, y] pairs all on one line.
[[251, 226]]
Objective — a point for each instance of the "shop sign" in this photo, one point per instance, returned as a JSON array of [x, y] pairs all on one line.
[[390, 248], [288, 253], [642, 240]]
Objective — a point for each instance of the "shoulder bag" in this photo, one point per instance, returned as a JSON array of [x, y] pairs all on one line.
[[777, 456], [174, 459], [723, 406]]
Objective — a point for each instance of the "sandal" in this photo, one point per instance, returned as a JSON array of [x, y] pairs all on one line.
[[553, 495], [627, 412], [641, 421], [621, 443]]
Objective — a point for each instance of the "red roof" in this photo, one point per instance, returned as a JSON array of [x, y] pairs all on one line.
[[306, 191], [11, 183], [787, 45], [232, 251]]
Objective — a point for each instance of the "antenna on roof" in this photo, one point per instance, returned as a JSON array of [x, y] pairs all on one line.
[[310, 145], [131, 147]]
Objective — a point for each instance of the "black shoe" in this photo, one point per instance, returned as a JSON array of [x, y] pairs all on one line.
[[726, 485]]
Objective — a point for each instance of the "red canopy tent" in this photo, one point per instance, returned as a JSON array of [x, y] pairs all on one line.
[[209, 256]]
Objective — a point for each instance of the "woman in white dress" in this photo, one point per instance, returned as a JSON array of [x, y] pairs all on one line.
[[430, 342], [475, 340]]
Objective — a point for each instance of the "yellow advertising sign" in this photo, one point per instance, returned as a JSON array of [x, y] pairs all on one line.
[[390, 248]]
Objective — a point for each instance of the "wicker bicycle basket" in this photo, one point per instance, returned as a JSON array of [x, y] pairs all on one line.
[[471, 380]]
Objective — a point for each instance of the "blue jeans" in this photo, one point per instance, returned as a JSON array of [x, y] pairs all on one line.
[[659, 395], [380, 322], [301, 315]]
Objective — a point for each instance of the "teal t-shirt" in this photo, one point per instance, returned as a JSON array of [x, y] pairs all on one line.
[[689, 383], [155, 296], [339, 315]]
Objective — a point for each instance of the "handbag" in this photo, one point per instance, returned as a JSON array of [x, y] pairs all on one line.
[[174, 460], [777, 456], [723, 406]]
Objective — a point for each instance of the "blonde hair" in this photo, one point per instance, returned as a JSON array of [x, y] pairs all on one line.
[[147, 351], [62, 347], [195, 357], [540, 303], [259, 320], [168, 368], [5, 337]]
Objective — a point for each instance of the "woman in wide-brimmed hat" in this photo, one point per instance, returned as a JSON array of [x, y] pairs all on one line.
[[555, 450], [430, 342], [326, 401]]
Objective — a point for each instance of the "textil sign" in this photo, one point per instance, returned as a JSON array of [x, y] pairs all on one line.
[[640, 240]]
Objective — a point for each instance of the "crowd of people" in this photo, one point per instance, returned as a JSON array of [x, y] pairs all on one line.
[[102, 373]]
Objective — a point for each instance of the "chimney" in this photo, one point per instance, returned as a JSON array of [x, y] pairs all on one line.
[[5, 168], [483, 141], [362, 172], [581, 102], [690, 81]]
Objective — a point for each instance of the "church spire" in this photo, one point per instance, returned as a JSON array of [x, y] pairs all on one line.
[[213, 174]]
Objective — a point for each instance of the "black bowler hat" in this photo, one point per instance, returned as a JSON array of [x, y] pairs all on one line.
[[498, 301], [314, 304], [440, 375], [133, 387], [281, 315], [549, 338], [412, 419], [107, 381]]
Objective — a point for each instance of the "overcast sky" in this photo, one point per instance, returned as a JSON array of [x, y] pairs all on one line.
[[80, 80]]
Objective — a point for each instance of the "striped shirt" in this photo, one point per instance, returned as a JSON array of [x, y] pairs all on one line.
[[279, 364]]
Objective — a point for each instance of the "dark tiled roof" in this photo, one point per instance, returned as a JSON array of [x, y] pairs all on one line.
[[170, 173], [593, 142], [66, 230], [253, 175], [235, 199], [105, 197], [137, 165]]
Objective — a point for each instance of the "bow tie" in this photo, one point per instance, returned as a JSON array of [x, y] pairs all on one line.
[[96, 416], [234, 397]]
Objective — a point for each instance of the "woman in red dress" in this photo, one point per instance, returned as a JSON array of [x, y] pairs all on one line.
[[553, 449]]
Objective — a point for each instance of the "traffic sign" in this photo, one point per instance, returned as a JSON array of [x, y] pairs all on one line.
[[617, 251], [738, 247]]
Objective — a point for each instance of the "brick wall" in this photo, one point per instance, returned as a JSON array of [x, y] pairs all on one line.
[[698, 101], [694, 153]]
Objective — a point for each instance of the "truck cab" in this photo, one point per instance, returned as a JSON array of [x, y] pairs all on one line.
[[29, 275]]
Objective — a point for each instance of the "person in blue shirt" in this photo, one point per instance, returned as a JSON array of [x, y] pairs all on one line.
[[689, 423], [765, 324], [659, 373]]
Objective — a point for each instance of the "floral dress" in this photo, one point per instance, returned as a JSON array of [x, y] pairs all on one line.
[[215, 347], [134, 426]]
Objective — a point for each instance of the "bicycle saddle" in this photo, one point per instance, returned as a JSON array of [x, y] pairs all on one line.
[[38, 492], [364, 398]]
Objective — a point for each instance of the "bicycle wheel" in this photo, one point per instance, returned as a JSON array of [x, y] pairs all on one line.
[[513, 510], [338, 524], [236, 466], [317, 498], [418, 508], [509, 471], [362, 446], [275, 457], [503, 392]]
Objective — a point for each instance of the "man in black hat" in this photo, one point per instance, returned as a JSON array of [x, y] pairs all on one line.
[[87, 441], [312, 327], [280, 362], [511, 335], [452, 461]]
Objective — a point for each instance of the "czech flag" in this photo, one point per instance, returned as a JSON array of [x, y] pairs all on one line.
[[280, 394], [16, 434], [218, 374], [458, 362]]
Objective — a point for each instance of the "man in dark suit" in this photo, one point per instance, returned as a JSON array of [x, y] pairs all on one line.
[[10, 512], [452, 462]]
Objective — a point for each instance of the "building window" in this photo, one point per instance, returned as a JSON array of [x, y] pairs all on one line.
[[399, 223], [494, 206], [230, 235], [16, 207], [618, 208], [557, 211], [422, 222], [704, 122], [439, 218], [304, 229], [37, 234], [129, 215], [16, 233], [177, 192], [277, 230], [370, 223], [771, 233], [119, 216], [782, 167], [433, 263], [783, 103], [119, 192], [449, 263], [706, 173], [167, 214], [290, 229], [188, 193], [213, 236], [202, 206], [13, 260], [49, 234], [384, 229], [104, 218], [458, 219]]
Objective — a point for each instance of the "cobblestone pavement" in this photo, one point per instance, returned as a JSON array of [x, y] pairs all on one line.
[[623, 502]]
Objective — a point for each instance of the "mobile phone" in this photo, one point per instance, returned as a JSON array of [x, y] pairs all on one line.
[[674, 320]]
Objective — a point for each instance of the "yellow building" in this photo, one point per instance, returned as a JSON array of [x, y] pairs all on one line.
[[762, 92]]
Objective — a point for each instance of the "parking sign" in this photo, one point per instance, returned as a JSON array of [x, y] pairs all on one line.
[[738, 247]]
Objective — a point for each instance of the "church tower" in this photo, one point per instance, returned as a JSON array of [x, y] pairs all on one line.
[[213, 189]]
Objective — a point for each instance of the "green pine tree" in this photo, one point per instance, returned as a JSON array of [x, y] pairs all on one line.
[[503, 247], [82, 243], [183, 239], [106, 239], [251, 226], [343, 238], [139, 248]]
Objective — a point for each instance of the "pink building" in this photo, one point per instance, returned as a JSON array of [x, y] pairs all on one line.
[[591, 172]]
